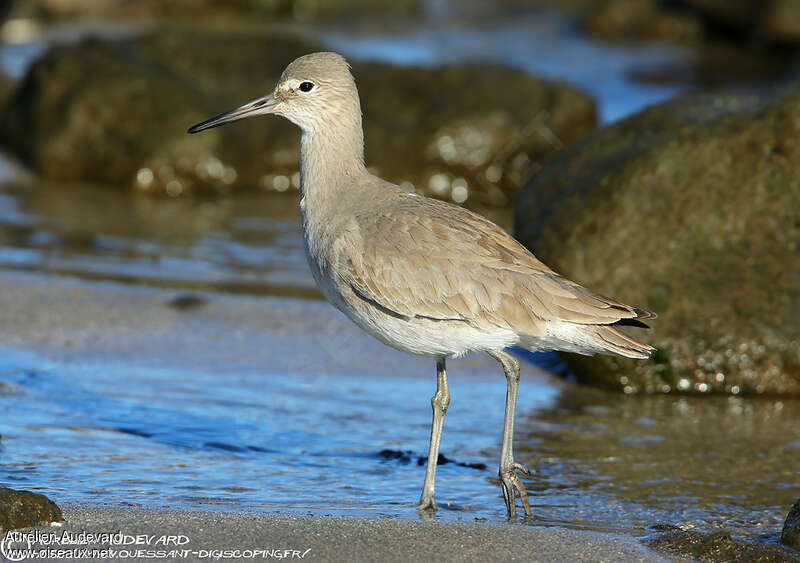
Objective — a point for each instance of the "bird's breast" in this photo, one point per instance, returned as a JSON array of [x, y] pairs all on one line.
[[318, 246]]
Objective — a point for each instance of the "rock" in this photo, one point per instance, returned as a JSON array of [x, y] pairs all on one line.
[[791, 527], [490, 139], [716, 52], [24, 509], [715, 546], [187, 302], [732, 13], [214, 11], [781, 21], [723, 43], [720, 64], [116, 113], [6, 87], [640, 20], [688, 208], [775, 20]]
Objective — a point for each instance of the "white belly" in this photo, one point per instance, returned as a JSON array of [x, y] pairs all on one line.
[[423, 336]]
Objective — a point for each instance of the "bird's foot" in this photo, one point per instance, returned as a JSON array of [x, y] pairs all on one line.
[[426, 504], [512, 484]]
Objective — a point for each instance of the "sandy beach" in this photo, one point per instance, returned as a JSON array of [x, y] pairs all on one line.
[[219, 536], [65, 331]]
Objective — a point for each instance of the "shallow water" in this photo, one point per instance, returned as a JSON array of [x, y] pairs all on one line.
[[245, 244], [344, 444], [352, 444], [697, 462]]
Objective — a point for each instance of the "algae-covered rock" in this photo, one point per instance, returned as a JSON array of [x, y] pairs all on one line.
[[24, 509], [692, 209], [116, 113]]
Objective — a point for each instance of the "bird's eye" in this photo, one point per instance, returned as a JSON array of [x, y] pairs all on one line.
[[306, 86]]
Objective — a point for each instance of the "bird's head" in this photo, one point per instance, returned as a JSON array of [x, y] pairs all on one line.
[[314, 89]]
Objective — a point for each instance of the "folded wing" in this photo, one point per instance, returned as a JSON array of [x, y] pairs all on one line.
[[426, 258]]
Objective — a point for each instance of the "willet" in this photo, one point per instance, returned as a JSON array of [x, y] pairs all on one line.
[[421, 275]]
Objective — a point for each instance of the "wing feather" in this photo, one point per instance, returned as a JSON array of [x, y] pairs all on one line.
[[426, 258]]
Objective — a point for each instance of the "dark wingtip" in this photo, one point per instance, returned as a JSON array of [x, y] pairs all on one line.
[[634, 321], [630, 322]]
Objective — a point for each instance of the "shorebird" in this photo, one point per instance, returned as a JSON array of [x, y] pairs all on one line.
[[421, 275]]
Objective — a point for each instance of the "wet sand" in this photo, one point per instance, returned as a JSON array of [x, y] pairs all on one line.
[[352, 539], [67, 319]]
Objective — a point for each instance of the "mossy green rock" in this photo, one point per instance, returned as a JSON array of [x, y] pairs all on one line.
[[692, 209], [24, 509], [116, 113]]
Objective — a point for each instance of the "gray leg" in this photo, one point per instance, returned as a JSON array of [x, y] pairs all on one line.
[[439, 403], [509, 480]]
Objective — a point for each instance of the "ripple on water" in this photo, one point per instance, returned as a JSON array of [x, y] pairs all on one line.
[[246, 441], [698, 462]]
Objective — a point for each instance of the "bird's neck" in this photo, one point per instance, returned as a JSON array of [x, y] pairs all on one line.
[[331, 160]]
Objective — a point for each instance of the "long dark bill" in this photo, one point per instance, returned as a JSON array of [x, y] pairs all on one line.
[[261, 106]]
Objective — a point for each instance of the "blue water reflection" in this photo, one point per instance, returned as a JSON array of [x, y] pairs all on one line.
[[245, 440]]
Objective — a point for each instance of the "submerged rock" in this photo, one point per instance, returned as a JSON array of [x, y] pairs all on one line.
[[24, 509], [116, 113], [689, 208], [187, 302], [791, 527]]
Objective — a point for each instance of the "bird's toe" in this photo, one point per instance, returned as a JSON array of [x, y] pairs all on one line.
[[427, 505], [512, 485]]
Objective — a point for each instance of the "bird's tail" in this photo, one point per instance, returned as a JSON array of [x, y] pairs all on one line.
[[613, 341]]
